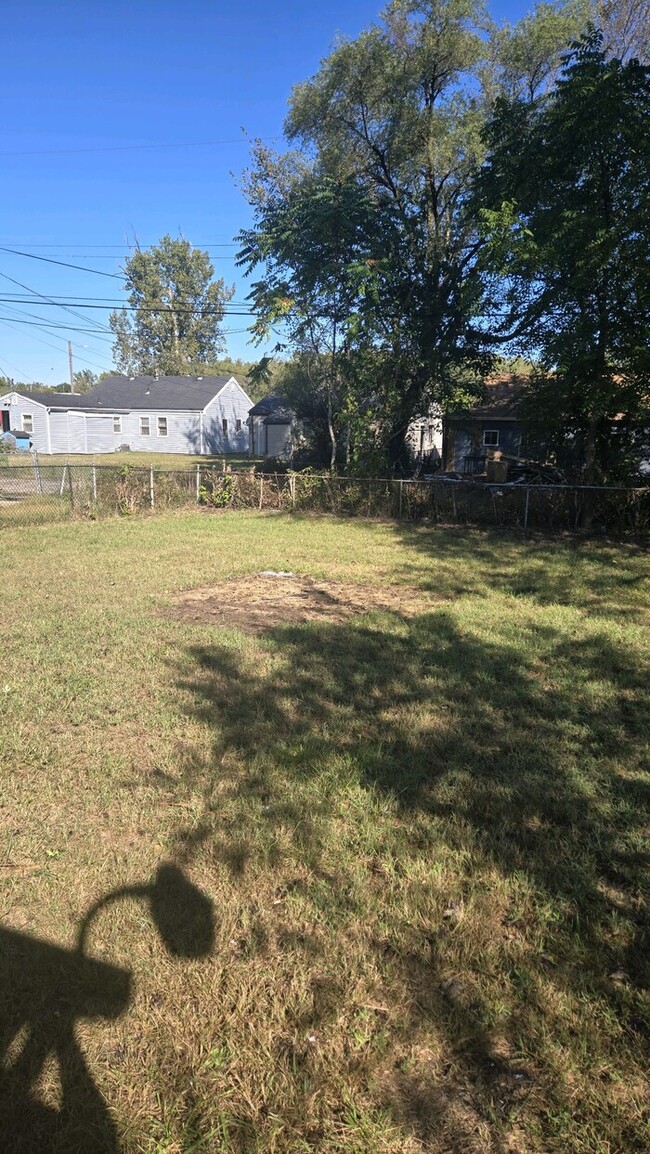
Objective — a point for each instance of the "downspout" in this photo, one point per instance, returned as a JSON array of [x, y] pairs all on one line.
[[49, 432], [201, 433]]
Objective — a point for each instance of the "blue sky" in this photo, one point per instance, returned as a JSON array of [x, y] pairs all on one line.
[[93, 94]]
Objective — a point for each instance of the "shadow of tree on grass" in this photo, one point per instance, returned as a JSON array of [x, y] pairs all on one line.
[[612, 579], [525, 760]]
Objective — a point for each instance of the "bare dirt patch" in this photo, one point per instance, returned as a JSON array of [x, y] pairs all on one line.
[[257, 602]]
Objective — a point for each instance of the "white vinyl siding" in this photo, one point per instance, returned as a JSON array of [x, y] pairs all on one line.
[[188, 431], [18, 407], [221, 433], [77, 433], [183, 433]]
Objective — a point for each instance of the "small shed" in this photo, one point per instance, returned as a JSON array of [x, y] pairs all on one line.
[[272, 427]]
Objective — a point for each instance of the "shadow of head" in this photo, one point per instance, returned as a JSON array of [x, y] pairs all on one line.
[[182, 913]]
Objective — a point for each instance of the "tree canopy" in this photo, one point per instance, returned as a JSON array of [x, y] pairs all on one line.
[[365, 253], [565, 202], [175, 310]]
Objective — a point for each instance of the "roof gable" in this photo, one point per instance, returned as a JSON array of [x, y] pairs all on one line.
[[46, 398], [276, 409]]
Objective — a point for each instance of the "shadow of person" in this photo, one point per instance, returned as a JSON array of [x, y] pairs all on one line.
[[45, 989]]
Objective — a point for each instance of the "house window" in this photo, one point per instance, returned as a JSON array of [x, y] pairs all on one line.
[[491, 438], [117, 424], [28, 423], [238, 425], [162, 426], [224, 425], [144, 426]]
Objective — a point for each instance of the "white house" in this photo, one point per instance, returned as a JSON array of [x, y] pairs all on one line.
[[200, 415]]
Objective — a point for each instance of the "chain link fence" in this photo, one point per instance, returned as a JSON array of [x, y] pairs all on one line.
[[34, 493]]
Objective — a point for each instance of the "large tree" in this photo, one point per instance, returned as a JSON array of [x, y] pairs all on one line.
[[173, 320], [391, 126], [566, 207]]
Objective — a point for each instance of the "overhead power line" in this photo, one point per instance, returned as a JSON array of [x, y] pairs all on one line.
[[63, 263], [136, 147], [48, 300], [51, 325], [49, 345], [100, 302], [115, 247], [227, 312]]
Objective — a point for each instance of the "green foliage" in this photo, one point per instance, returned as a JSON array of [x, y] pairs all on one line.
[[369, 258], [177, 309], [566, 215], [529, 54], [218, 492], [85, 380]]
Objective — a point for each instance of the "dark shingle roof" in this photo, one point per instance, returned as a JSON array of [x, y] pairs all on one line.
[[277, 410], [120, 393], [151, 393], [49, 398]]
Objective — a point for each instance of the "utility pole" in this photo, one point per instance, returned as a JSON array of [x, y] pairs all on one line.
[[70, 364]]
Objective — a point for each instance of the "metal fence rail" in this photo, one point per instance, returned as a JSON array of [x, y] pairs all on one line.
[[37, 493]]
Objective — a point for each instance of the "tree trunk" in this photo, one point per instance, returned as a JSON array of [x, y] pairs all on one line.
[[332, 434], [587, 513]]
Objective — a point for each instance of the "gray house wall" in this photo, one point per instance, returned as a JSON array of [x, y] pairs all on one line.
[[464, 441], [99, 432], [232, 405], [17, 407], [182, 432]]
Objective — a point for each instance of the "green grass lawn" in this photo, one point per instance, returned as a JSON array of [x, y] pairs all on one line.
[[424, 836], [133, 459]]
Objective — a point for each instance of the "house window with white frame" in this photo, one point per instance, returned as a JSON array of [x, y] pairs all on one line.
[[238, 425], [117, 424], [162, 426], [144, 427], [224, 425], [28, 423], [491, 438]]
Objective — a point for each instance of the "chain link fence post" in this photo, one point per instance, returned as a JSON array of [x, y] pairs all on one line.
[[71, 489]]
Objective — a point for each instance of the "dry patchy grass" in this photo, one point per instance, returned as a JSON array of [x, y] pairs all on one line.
[[421, 823]]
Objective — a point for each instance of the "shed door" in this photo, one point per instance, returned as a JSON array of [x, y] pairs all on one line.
[[279, 440]]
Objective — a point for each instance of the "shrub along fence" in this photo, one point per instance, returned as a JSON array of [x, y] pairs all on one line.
[[37, 493]]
